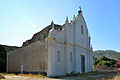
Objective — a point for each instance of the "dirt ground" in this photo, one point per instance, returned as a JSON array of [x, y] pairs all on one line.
[[88, 76]]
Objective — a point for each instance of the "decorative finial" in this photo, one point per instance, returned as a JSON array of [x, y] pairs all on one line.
[[80, 11], [52, 22], [67, 21], [74, 17], [80, 7], [66, 18], [52, 30]]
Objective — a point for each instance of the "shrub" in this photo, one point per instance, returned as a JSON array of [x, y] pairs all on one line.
[[105, 61], [67, 74], [117, 64], [72, 73], [78, 73]]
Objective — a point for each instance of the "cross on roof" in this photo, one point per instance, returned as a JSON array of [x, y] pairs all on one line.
[[80, 7]]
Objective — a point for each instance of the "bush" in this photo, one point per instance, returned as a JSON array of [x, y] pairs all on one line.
[[117, 64], [72, 73], [78, 73], [67, 74], [104, 61]]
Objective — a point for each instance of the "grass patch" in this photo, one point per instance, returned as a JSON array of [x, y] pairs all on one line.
[[32, 75], [27, 75], [11, 74]]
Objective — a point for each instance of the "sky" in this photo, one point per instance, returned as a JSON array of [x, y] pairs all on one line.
[[20, 19]]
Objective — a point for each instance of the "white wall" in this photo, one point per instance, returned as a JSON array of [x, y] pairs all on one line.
[[70, 40], [70, 64]]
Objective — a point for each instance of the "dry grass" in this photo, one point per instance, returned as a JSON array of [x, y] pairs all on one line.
[[1, 76], [112, 75], [28, 75], [117, 77], [10, 74], [32, 75]]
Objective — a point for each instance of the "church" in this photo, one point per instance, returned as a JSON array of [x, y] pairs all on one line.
[[56, 50]]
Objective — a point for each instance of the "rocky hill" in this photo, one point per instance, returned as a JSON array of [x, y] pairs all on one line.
[[108, 53]]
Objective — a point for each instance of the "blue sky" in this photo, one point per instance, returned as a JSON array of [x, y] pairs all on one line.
[[20, 19]]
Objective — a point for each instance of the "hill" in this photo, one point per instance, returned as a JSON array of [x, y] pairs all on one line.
[[108, 53]]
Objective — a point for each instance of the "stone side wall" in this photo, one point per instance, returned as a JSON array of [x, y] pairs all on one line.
[[33, 58]]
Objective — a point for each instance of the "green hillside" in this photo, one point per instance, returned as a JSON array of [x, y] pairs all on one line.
[[108, 53]]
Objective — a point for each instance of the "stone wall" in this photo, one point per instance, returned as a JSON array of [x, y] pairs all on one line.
[[33, 58]]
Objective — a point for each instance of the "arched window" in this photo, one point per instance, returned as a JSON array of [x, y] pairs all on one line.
[[71, 56], [81, 29], [58, 56]]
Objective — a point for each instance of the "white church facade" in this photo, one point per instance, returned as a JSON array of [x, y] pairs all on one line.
[[55, 50]]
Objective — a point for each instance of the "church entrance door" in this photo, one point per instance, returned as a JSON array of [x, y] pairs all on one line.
[[82, 63]]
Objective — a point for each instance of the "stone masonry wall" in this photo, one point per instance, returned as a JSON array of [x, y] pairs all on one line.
[[33, 58]]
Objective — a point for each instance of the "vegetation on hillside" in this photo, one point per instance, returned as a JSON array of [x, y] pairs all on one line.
[[9, 48], [2, 58], [3, 52], [104, 63]]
